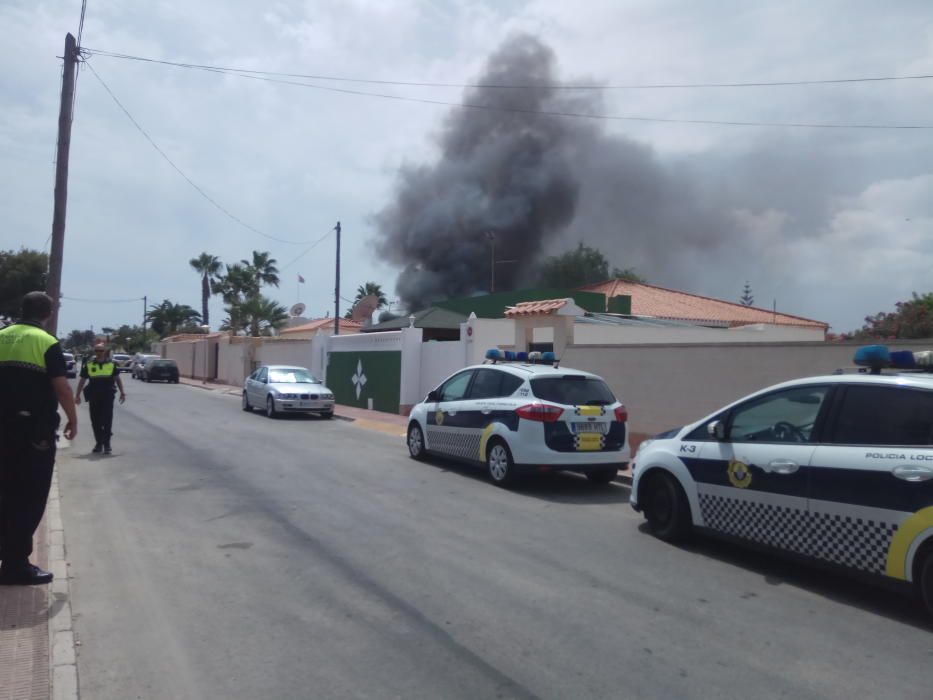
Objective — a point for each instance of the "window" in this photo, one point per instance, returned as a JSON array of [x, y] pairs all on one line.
[[261, 377], [784, 416], [454, 389], [574, 390], [292, 375], [491, 384], [885, 415]]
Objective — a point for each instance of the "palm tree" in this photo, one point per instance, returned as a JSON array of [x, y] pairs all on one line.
[[234, 286], [263, 270], [372, 289], [208, 266], [166, 318], [259, 313]]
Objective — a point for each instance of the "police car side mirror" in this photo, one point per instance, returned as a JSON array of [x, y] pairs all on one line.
[[716, 430], [432, 396]]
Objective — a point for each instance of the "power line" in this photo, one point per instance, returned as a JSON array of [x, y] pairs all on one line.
[[103, 301], [555, 113], [307, 250], [200, 191], [407, 83]]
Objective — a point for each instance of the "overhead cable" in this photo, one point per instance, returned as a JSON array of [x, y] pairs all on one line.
[[513, 86], [200, 191], [556, 113]]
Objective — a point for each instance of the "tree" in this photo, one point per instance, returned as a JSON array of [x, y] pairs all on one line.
[[208, 266], [747, 299], [263, 271], [168, 318], [79, 341], [20, 272], [365, 290], [912, 319], [579, 267], [259, 314]]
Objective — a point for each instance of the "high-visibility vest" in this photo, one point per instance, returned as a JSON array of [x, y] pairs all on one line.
[[95, 369], [24, 346]]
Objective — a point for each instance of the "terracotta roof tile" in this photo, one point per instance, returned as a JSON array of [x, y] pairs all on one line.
[[535, 308], [320, 323], [649, 300]]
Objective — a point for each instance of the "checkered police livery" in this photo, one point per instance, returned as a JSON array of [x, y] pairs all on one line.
[[857, 543], [836, 468]]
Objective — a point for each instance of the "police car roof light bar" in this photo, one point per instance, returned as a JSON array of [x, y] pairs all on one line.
[[878, 357]]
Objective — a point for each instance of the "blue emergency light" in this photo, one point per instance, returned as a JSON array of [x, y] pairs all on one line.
[[878, 357]]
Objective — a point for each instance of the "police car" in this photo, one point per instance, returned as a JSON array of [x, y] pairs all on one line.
[[523, 416], [838, 469]]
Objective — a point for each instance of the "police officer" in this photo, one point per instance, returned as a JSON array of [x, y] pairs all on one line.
[[102, 378], [34, 383]]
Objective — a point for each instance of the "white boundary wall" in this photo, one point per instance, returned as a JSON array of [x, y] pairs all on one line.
[[665, 386]]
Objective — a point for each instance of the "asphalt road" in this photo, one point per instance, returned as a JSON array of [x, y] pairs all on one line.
[[223, 555]]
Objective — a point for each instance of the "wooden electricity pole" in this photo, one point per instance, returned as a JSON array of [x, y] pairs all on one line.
[[337, 286], [65, 114]]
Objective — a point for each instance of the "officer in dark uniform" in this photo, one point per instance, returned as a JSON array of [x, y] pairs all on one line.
[[34, 384], [102, 378]]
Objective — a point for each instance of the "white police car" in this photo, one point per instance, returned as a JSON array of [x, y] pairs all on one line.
[[522, 417], [836, 468]]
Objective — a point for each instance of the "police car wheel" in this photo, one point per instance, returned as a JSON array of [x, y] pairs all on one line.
[[926, 580], [415, 442], [602, 476], [499, 464], [246, 406], [270, 407], [666, 508]]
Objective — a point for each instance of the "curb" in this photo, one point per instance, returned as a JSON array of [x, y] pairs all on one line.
[[63, 666]]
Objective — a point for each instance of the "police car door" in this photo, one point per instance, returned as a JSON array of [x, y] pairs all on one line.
[[448, 431], [753, 483], [871, 482]]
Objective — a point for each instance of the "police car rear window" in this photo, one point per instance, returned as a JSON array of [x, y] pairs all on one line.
[[573, 390], [882, 415]]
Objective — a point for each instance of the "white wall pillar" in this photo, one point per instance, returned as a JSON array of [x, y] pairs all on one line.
[[409, 389]]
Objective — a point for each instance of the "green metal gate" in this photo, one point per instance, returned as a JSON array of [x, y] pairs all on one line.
[[357, 377]]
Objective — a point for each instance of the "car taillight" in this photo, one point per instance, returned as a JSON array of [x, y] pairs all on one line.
[[621, 414], [541, 412]]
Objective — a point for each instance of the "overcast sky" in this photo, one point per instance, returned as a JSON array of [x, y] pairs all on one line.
[[830, 224]]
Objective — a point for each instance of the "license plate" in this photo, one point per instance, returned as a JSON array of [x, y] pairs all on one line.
[[591, 428]]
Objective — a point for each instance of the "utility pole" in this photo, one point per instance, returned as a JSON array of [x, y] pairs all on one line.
[[337, 286], [491, 235], [65, 115], [144, 317]]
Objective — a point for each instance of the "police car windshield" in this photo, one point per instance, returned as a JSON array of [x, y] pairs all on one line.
[[573, 390]]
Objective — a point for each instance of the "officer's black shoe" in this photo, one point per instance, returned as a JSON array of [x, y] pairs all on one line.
[[107, 450], [24, 575], [98, 448]]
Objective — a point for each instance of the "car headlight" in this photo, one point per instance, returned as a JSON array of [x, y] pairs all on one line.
[[643, 445]]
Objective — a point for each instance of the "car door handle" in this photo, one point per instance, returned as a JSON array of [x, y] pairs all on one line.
[[913, 472], [782, 466]]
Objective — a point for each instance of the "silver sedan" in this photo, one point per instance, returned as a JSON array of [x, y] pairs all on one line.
[[284, 389]]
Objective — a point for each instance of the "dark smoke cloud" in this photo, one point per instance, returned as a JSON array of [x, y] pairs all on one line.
[[544, 184], [510, 173]]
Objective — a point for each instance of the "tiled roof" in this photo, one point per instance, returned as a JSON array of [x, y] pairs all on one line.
[[649, 300], [536, 308], [319, 323], [434, 318], [182, 337]]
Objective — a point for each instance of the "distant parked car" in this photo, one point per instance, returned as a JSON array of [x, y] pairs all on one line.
[[159, 370], [70, 368], [140, 359], [122, 361], [281, 389]]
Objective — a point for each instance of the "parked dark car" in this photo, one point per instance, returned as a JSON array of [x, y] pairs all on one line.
[[161, 371]]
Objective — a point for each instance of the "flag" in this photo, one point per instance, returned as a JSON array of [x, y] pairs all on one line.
[[301, 279]]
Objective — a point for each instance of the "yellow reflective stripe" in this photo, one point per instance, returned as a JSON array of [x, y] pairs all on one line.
[[25, 346], [589, 410], [95, 370], [482, 442], [900, 544]]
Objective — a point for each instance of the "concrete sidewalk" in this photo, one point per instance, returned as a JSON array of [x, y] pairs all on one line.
[[37, 644]]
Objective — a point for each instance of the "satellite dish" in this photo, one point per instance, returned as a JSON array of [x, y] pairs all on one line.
[[297, 309]]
